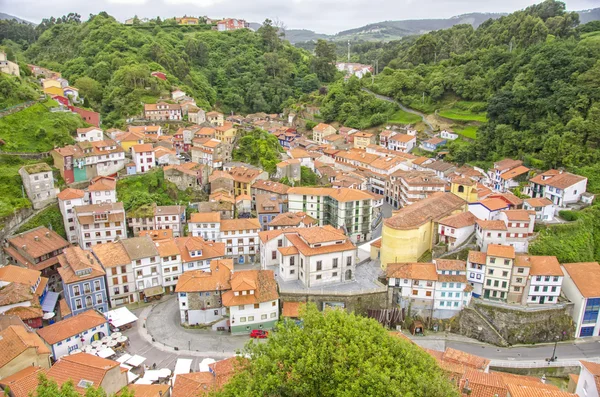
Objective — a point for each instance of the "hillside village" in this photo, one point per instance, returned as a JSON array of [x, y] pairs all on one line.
[[391, 230]]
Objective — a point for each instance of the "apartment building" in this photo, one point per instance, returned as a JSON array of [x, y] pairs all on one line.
[[363, 139], [215, 118], [348, 209], [499, 264], [206, 225], [102, 189], [120, 281], [452, 290], [171, 262], [401, 143], [545, 280], [244, 178], [89, 134], [86, 160], [476, 271], [146, 265], [582, 287], [519, 280], [519, 228], [162, 111], [196, 253], [143, 157], [84, 286], [99, 223], [407, 187], [68, 199], [490, 232], [413, 284], [241, 239], [268, 206], [322, 130], [39, 184], [560, 187], [207, 151], [455, 230]]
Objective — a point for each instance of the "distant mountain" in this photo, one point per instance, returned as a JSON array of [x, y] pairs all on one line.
[[586, 16], [6, 16], [300, 35]]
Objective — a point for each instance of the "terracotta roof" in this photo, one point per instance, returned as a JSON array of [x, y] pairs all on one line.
[[26, 312], [149, 390], [292, 219], [464, 358], [262, 281], [139, 247], [412, 271], [81, 366], [542, 390], [520, 170], [217, 279], [341, 194], [434, 207], [20, 275], [166, 247], [154, 106], [14, 340], [291, 309], [507, 164], [491, 225], [145, 147], [555, 178], [240, 224], [509, 197], [14, 293], [502, 251], [450, 264], [160, 234], [209, 250], [538, 202], [75, 259], [518, 215], [208, 217], [225, 369], [111, 254], [243, 197], [39, 241], [464, 181], [540, 265], [70, 194], [494, 204], [483, 384], [402, 138], [586, 277], [24, 382], [435, 141], [458, 221], [287, 251], [321, 127], [273, 187], [376, 243], [71, 326], [65, 310], [194, 384], [245, 175]]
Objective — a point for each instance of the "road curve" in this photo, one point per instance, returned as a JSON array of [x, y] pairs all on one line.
[[428, 130]]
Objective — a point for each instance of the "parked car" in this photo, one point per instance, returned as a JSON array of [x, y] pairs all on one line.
[[259, 334]]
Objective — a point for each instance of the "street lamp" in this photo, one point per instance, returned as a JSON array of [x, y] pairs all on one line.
[[553, 358]]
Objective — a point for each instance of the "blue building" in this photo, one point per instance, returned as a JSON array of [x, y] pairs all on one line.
[[83, 281], [268, 206], [433, 144]]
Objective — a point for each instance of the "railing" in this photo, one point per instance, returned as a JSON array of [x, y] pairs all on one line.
[[539, 363]]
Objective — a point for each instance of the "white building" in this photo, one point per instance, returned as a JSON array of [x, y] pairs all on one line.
[[490, 232], [90, 134], [99, 223], [38, 182], [488, 209], [498, 271], [581, 286], [170, 217], [402, 143], [476, 271], [143, 157], [448, 135], [68, 199], [545, 280], [558, 186], [519, 228], [455, 230], [119, 273], [253, 301], [543, 208], [206, 225], [588, 383], [506, 174], [102, 190], [146, 264], [170, 262], [452, 291], [316, 256], [413, 285], [241, 239], [105, 156], [196, 253]]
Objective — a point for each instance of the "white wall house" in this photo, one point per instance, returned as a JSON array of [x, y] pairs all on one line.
[[206, 225], [241, 239], [413, 284], [143, 157], [146, 264], [102, 189], [488, 209], [99, 223], [490, 232], [449, 135], [543, 208], [90, 134], [587, 384], [545, 280], [452, 291], [68, 199], [170, 263], [560, 187], [581, 286], [476, 271], [402, 143], [455, 230]]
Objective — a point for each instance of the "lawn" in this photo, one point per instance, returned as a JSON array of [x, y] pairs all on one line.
[[469, 131], [36, 129], [462, 115], [402, 117]]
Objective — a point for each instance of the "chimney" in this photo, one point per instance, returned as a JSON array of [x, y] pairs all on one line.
[[48, 234], [36, 238]]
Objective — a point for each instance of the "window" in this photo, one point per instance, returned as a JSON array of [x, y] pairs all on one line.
[[113, 271], [517, 289], [504, 284], [273, 254], [334, 274], [96, 285], [318, 277], [490, 271], [455, 304], [242, 319], [496, 283], [488, 282], [507, 262], [555, 279], [115, 280], [280, 243], [256, 305], [250, 318], [273, 303], [415, 292], [153, 269], [139, 273], [520, 270], [76, 290], [263, 316], [349, 261], [273, 315], [335, 263], [87, 288], [492, 260], [116, 291], [241, 307], [78, 304], [427, 293], [504, 274], [319, 265]]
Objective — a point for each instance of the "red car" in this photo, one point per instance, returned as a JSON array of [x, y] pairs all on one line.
[[259, 334]]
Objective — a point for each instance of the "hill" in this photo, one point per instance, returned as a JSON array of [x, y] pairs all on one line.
[[589, 15], [10, 17]]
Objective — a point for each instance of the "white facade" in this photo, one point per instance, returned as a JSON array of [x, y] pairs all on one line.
[[544, 289], [172, 268], [78, 341], [96, 224], [68, 215], [106, 156], [449, 135], [209, 231], [249, 315], [454, 237], [103, 196], [482, 212], [402, 143], [413, 289], [143, 157], [120, 285], [198, 316], [486, 237], [475, 276], [241, 245], [38, 182], [587, 384], [544, 213], [89, 135], [451, 296]]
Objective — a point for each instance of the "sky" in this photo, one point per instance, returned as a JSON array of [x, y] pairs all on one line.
[[322, 16]]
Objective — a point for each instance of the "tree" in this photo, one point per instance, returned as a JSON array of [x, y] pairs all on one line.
[[90, 89], [269, 35], [49, 388], [336, 354], [323, 63]]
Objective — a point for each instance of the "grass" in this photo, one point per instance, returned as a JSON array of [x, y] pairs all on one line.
[[402, 117], [591, 36], [462, 115], [51, 216], [469, 131], [36, 129]]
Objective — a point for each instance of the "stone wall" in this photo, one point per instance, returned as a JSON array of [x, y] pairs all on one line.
[[557, 372], [523, 326], [471, 324], [358, 303]]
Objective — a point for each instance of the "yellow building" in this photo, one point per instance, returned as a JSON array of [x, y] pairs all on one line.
[[187, 21], [127, 139], [322, 130], [499, 264], [363, 139], [465, 188], [411, 231], [244, 178], [52, 87], [226, 133]]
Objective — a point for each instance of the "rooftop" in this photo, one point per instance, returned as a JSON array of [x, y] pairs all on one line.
[[586, 277], [262, 281], [412, 271], [502, 251], [434, 207], [71, 326]]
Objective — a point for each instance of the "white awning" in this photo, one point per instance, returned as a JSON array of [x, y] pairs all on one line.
[[136, 361], [143, 381], [204, 365], [106, 353], [119, 317], [124, 358], [183, 366], [131, 377]]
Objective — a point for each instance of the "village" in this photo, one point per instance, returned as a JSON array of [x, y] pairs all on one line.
[[390, 231]]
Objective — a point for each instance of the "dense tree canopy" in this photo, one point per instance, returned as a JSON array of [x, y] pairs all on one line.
[[259, 148], [337, 354]]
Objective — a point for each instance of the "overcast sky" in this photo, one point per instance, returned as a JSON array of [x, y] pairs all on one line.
[[323, 16]]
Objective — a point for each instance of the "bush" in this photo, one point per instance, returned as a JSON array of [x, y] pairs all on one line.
[[310, 124], [569, 216]]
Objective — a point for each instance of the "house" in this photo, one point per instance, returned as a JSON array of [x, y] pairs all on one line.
[[39, 184], [448, 135], [206, 225], [304, 157], [289, 169], [231, 24], [241, 239], [506, 174], [89, 116], [315, 256], [253, 301], [162, 111], [320, 203], [243, 205], [499, 265], [322, 130], [452, 291], [560, 187], [489, 208], [52, 86], [200, 293], [146, 265], [581, 286], [7, 66], [83, 281], [291, 220], [102, 189], [99, 223], [433, 144], [196, 115], [519, 228], [20, 350], [413, 284], [185, 20], [188, 175], [36, 249], [89, 134], [476, 271], [363, 139], [545, 279], [120, 282], [215, 118], [454, 230], [544, 208], [177, 94], [164, 156], [143, 157], [588, 383], [442, 169], [197, 253], [268, 206], [150, 132], [490, 232], [221, 202], [411, 231], [403, 188], [401, 143], [74, 333], [153, 217], [355, 69], [127, 139], [464, 188], [72, 93], [207, 151], [244, 178], [170, 258], [86, 160], [226, 133]]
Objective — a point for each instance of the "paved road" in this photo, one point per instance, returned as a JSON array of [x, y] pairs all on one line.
[[428, 130]]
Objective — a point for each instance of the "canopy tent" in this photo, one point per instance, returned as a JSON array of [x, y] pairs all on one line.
[[143, 381], [106, 353], [119, 317], [49, 302], [204, 365], [183, 366], [124, 358], [131, 377], [136, 361]]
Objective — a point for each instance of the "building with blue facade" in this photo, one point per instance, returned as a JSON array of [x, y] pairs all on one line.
[[83, 281], [268, 206], [581, 285]]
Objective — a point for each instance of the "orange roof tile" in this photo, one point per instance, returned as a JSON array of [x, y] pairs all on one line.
[[458, 221], [208, 217], [412, 271], [39, 241], [586, 276], [494, 204], [194, 384], [450, 264], [145, 147], [70, 194], [20, 275], [74, 259], [149, 390], [437, 205], [217, 279], [515, 172], [228, 225], [469, 360], [24, 382], [502, 251], [15, 340], [542, 390], [111, 254], [491, 225], [538, 202], [518, 215], [71, 326], [265, 290], [81, 366]]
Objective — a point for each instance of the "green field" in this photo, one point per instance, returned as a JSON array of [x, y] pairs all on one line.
[[469, 131], [462, 115], [36, 129], [402, 117]]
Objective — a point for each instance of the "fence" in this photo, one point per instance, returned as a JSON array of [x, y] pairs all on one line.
[[16, 108], [539, 363]]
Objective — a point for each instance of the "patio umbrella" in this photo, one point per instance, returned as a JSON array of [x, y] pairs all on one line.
[[105, 339], [115, 335], [112, 343], [87, 348], [122, 339], [96, 343]]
